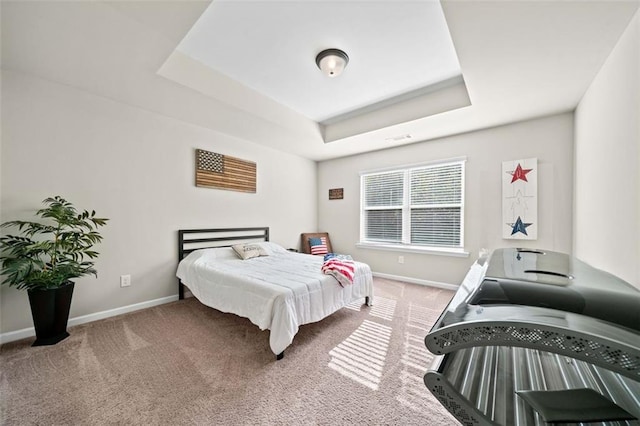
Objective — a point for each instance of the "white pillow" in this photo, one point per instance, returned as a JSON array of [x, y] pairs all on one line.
[[271, 248], [224, 253], [220, 253]]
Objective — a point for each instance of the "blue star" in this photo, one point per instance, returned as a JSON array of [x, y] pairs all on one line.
[[519, 226]]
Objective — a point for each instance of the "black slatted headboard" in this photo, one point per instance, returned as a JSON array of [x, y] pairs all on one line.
[[195, 239]]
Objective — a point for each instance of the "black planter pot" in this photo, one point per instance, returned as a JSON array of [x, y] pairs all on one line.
[[50, 312]]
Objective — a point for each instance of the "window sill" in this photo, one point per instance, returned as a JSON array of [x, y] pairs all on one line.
[[415, 249]]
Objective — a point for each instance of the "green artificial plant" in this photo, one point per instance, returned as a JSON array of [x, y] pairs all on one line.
[[47, 255]]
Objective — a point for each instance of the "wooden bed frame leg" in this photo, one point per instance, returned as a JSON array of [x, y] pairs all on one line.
[[367, 301], [280, 356]]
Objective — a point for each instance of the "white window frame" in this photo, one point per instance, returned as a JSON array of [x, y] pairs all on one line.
[[405, 244]]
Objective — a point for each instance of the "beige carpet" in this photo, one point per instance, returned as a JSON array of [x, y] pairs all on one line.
[[184, 363]]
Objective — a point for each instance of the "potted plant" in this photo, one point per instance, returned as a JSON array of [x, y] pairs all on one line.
[[45, 257]]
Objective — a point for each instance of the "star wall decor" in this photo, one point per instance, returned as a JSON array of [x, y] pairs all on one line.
[[519, 226], [519, 173], [520, 199]]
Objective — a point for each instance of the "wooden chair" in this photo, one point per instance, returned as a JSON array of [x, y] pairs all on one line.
[[304, 241]]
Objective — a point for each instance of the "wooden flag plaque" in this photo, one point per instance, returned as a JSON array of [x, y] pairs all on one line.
[[224, 172]]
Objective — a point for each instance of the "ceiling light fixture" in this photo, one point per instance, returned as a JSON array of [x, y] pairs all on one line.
[[332, 62]]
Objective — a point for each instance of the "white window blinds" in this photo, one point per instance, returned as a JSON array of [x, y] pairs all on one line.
[[417, 206], [383, 200]]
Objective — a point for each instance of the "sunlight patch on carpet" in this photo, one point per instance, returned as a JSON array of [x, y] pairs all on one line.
[[416, 359], [413, 394], [361, 356], [422, 318], [356, 305], [384, 308]]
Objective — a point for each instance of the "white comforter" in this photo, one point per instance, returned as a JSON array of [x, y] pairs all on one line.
[[278, 292]]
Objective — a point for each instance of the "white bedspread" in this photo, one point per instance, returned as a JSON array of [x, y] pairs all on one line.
[[278, 292]]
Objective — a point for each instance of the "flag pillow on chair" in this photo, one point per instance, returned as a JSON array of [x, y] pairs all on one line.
[[318, 245]]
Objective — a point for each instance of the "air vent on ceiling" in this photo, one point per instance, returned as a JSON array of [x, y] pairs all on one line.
[[399, 138]]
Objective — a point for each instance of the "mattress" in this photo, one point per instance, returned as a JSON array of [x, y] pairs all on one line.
[[278, 292]]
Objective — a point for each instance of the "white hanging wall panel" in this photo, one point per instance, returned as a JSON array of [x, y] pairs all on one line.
[[520, 199]]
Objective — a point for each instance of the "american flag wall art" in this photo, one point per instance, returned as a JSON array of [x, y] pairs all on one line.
[[219, 171]]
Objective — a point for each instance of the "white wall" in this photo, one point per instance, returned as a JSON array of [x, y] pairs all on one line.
[[137, 168], [549, 139], [607, 158]]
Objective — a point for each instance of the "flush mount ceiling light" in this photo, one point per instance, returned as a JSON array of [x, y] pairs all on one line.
[[332, 62]]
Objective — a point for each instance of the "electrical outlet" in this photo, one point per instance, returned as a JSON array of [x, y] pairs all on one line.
[[125, 280], [400, 259]]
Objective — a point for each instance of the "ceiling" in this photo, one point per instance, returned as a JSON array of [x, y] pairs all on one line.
[[519, 60], [393, 51]]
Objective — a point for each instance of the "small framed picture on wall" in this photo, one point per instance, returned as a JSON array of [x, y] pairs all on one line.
[[336, 194]]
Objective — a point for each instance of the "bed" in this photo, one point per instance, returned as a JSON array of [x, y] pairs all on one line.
[[277, 291]]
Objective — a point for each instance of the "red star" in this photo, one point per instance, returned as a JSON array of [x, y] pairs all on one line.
[[520, 173]]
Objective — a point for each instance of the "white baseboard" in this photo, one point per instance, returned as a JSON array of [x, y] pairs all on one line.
[[416, 281], [30, 332]]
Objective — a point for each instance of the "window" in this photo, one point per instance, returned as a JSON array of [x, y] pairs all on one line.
[[419, 206]]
